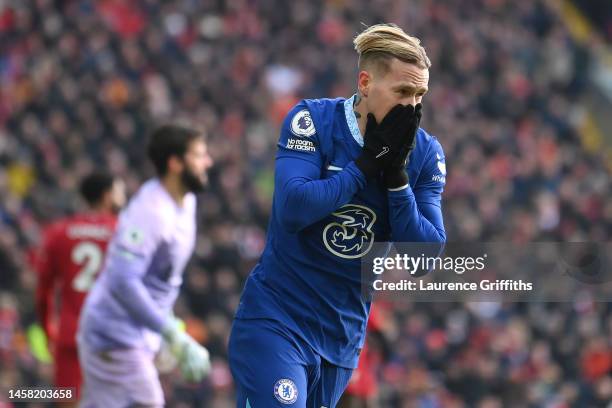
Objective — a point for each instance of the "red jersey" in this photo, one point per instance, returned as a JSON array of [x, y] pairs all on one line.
[[71, 256]]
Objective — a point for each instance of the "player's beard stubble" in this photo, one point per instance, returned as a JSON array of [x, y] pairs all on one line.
[[192, 181]]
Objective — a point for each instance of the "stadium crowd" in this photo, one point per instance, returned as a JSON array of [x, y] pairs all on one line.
[[84, 82], [599, 12]]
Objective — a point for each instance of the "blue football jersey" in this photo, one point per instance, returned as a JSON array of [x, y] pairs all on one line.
[[325, 218]]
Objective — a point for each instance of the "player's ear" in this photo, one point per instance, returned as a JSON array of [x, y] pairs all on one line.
[[107, 199], [175, 165], [363, 83]]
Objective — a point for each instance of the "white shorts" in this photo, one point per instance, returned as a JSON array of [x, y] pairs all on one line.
[[119, 378]]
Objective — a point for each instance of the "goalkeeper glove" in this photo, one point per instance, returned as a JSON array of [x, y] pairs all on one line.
[[193, 359], [395, 174]]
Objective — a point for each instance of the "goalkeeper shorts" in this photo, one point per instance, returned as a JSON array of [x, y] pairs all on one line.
[[119, 378]]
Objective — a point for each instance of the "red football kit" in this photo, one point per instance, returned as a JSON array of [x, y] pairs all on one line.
[[71, 256]]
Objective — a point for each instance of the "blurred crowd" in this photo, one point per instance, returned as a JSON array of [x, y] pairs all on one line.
[[83, 83], [600, 13]]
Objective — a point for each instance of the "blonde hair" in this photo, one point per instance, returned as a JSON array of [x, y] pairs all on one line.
[[379, 44]]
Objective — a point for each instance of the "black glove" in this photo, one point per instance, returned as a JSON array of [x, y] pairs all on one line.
[[373, 154], [382, 143], [395, 174]]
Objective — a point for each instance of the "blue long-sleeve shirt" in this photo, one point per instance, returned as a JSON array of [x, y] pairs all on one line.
[[325, 217]]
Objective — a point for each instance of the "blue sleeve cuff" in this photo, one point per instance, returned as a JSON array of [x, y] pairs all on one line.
[[403, 192], [359, 176]]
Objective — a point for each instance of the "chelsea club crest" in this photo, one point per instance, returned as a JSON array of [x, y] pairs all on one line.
[[285, 391]]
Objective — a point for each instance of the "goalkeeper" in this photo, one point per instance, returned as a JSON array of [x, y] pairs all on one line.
[[129, 310], [348, 172]]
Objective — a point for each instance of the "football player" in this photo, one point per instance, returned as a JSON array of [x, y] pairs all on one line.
[[348, 172]]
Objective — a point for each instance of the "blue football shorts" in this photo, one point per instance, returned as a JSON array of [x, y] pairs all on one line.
[[274, 368]]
